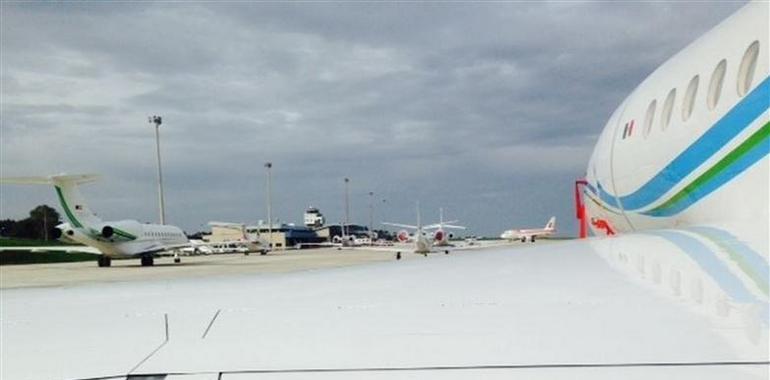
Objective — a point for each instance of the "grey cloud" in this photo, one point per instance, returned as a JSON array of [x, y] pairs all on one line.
[[489, 110]]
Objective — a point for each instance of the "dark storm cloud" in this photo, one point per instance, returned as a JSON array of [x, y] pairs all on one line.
[[489, 110]]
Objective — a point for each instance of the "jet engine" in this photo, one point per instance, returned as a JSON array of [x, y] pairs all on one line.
[[120, 230], [64, 232]]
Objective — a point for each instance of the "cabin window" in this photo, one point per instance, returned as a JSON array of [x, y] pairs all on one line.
[[748, 65], [649, 116], [715, 86], [668, 107], [689, 98]]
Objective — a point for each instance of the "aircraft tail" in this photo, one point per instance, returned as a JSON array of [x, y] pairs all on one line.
[[551, 225], [75, 208], [419, 223]]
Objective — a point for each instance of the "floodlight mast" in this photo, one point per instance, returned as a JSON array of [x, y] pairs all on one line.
[[347, 207], [269, 167], [371, 218], [157, 120]]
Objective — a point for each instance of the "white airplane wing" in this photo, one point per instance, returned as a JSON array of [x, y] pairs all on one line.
[[400, 225], [445, 224], [670, 304], [76, 178], [160, 249], [163, 249], [54, 248]]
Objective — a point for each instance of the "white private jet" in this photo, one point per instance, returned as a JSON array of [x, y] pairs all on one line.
[[679, 292], [110, 239], [441, 236], [532, 233], [422, 240]]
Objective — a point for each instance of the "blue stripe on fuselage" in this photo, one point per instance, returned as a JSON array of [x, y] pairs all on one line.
[[734, 122], [744, 162]]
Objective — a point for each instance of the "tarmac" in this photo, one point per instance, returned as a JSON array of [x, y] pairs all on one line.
[[73, 274]]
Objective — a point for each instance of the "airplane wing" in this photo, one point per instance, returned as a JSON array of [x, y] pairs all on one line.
[[675, 304], [400, 225], [54, 248], [163, 249], [78, 178], [445, 224]]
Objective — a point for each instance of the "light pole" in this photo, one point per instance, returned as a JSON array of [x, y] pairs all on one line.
[[371, 218], [347, 206], [157, 120], [269, 166]]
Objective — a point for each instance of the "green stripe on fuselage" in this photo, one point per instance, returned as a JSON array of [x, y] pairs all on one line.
[[723, 164], [70, 215], [123, 234]]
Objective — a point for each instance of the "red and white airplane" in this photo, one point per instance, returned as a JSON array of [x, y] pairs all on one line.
[[440, 235], [532, 233], [423, 243]]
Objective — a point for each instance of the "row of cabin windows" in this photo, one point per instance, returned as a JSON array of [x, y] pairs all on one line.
[[743, 84]]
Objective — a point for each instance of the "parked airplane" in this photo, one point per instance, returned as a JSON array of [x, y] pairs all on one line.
[[531, 234], [690, 144], [423, 241], [441, 236], [123, 238], [680, 292]]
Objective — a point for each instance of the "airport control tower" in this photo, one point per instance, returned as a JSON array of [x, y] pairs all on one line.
[[314, 218]]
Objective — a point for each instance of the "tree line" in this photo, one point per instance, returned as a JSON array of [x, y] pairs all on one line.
[[39, 225]]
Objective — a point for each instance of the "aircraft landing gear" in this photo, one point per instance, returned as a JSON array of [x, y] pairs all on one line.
[[398, 255], [446, 252], [532, 239], [177, 259], [104, 261], [524, 239], [148, 261]]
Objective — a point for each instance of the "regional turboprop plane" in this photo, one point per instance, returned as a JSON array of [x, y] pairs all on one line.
[[123, 238]]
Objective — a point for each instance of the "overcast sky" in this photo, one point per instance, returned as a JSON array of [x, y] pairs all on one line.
[[489, 110]]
